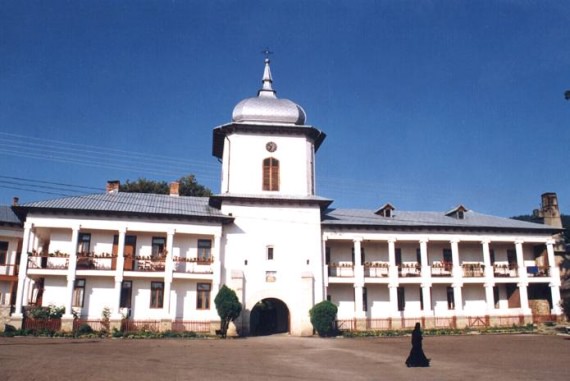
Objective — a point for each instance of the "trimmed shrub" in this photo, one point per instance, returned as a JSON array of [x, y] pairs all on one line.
[[323, 316], [228, 307]]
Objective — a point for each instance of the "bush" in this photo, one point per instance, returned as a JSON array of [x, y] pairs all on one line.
[[565, 304], [323, 316], [228, 307], [84, 329]]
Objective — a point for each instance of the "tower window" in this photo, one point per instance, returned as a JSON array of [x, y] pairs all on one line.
[[271, 174]]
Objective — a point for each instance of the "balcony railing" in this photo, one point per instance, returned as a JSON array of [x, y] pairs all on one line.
[[343, 270], [150, 263], [441, 268], [409, 269], [92, 261], [476, 270], [504, 270], [538, 271], [376, 269], [56, 260], [9, 269], [201, 265]]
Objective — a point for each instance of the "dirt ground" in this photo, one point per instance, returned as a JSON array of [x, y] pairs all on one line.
[[281, 357]]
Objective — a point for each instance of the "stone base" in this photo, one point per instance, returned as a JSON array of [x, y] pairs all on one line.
[[67, 324], [165, 325], [115, 324]]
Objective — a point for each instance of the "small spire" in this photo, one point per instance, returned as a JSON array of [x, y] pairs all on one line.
[[267, 80]]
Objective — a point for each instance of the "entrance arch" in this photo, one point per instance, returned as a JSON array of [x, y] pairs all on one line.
[[269, 316]]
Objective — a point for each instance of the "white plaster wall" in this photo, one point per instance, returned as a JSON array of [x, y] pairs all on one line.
[[378, 301], [474, 301], [99, 293], [343, 296], [183, 302], [55, 292], [439, 300], [244, 155]]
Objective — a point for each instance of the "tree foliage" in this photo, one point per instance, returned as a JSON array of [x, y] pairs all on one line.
[[188, 187], [565, 223], [228, 307], [323, 316]]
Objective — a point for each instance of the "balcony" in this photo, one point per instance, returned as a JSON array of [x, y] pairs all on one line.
[[538, 271], [505, 270], [55, 261], [92, 261], [341, 270], [8, 270], [201, 265], [473, 270], [376, 269], [150, 263], [441, 269], [412, 269]]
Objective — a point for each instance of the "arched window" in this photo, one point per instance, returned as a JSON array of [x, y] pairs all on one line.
[[271, 174]]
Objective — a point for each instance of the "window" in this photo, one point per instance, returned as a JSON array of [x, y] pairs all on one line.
[[158, 246], [84, 243], [156, 294], [419, 256], [271, 174], [78, 293], [496, 296], [512, 257], [203, 296], [126, 293], [204, 250], [492, 256], [327, 255], [269, 253], [450, 298], [401, 298], [364, 299], [421, 298], [447, 256], [3, 252], [398, 257]]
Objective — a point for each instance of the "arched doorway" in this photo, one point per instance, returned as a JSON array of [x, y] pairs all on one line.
[[269, 316]]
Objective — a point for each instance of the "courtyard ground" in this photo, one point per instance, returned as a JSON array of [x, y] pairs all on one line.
[[281, 357]]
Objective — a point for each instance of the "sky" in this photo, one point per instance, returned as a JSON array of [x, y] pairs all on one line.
[[426, 104]]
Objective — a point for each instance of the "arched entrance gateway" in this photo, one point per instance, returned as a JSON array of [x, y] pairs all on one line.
[[269, 316]]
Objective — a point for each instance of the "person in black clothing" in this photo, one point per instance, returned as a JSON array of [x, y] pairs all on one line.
[[417, 358]]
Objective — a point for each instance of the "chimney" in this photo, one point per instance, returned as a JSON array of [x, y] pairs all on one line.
[[175, 188], [15, 201], [113, 186]]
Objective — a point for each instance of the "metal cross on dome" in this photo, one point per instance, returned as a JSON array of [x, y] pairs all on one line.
[[266, 52]]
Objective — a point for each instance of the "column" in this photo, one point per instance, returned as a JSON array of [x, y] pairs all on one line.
[[426, 299], [520, 260], [71, 273], [358, 268], [424, 257], [458, 298], [456, 271], [490, 297], [554, 273], [487, 260], [393, 289], [325, 272], [359, 312], [523, 291], [116, 308], [168, 268], [23, 270], [393, 269]]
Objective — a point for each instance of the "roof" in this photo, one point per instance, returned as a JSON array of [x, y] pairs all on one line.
[[217, 200], [401, 219], [8, 217], [131, 203]]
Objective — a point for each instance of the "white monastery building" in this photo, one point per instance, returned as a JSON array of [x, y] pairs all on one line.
[[273, 240]]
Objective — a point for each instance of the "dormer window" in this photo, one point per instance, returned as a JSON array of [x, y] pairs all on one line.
[[271, 174], [457, 212], [386, 211]]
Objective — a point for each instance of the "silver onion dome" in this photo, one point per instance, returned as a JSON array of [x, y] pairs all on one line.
[[266, 108]]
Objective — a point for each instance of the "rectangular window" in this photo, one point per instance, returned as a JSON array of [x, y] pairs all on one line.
[[204, 250], [419, 256], [156, 294], [447, 256], [3, 253], [78, 293], [450, 298], [158, 246], [203, 291], [84, 243], [327, 255], [126, 293], [398, 256], [364, 299], [269, 253], [512, 257], [401, 298], [421, 298], [492, 255], [496, 296]]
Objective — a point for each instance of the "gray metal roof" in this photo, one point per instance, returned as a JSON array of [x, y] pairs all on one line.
[[7, 216], [400, 219], [138, 203]]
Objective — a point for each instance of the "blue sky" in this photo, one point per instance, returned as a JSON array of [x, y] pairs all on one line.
[[426, 104]]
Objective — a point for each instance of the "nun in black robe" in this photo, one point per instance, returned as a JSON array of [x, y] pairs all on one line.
[[417, 358]]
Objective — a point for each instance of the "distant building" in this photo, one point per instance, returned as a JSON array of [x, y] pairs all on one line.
[[280, 246]]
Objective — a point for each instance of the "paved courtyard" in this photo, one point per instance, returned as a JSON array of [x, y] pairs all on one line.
[[496, 357]]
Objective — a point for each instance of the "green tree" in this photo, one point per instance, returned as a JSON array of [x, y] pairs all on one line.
[[228, 307], [323, 316], [188, 187]]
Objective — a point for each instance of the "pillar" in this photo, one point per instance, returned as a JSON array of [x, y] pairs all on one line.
[[359, 312], [22, 271], [168, 268], [487, 260], [458, 297], [116, 307], [523, 291], [489, 297], [424, 257], [358, 268], [71, 274], [393, 269], [520, 260], [393, 289], [456, 271], [426, 299]]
